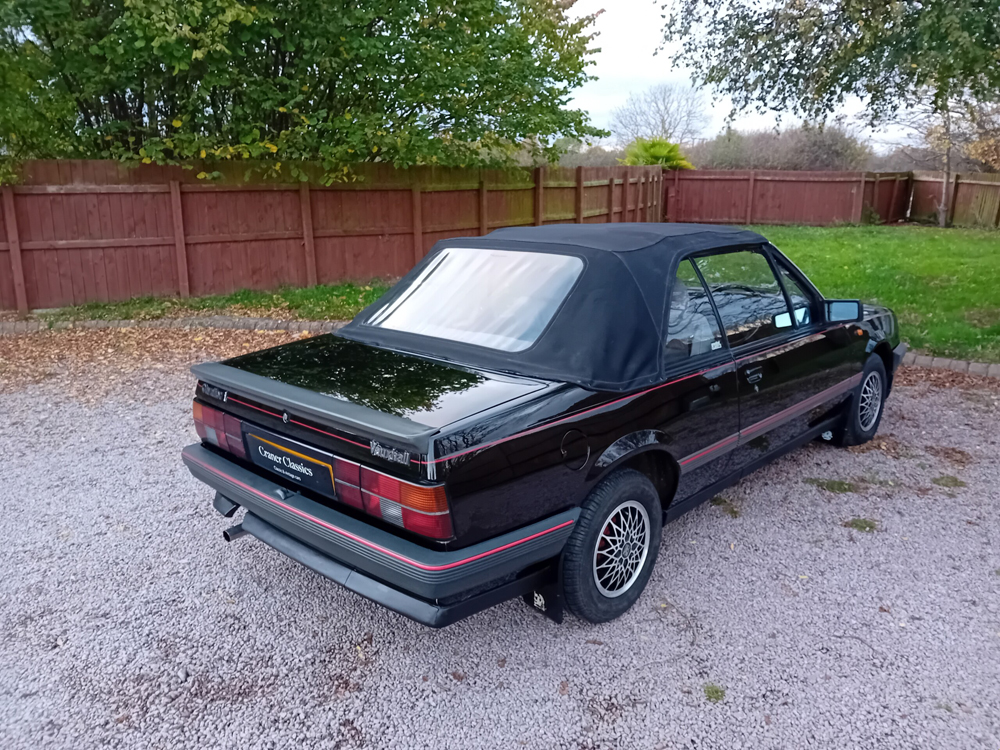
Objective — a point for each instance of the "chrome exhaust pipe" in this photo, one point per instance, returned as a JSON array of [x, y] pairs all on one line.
[[234, 532]]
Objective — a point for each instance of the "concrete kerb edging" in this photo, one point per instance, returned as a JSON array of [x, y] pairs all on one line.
[[958, 365], [18, 327]]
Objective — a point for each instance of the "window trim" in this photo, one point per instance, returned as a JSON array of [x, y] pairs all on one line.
[[779, 262], [666, 365]]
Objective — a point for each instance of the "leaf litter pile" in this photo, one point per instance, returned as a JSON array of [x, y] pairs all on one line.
[[90, 363]]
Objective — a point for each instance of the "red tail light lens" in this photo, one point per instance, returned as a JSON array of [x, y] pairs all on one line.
[[222, 430], [422, 510], [348, 478]]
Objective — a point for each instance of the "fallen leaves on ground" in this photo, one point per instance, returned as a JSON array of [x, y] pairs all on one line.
[[889, 445], [954, 455], [911, 376], [93, 361]]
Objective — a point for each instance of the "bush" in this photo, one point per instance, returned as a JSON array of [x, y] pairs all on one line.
[[655, 151], [808, 147]]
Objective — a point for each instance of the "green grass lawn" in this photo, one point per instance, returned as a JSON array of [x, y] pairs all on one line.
[[944, 285], [339, 302]]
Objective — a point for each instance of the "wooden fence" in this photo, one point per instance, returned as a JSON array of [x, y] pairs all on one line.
[[975, 198], [776, 197], [73, 232]]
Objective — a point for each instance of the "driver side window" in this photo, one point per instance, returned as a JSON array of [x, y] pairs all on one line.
[[747, 294]]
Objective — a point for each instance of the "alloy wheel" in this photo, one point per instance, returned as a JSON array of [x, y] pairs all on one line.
[[870, 404], [621, 549]]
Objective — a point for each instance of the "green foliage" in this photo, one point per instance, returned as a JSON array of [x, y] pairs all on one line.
[[448, 82], [322, 302], [655, 151], [837, 486], [946, 480], [864, 525], [714, 693], [808, 55]]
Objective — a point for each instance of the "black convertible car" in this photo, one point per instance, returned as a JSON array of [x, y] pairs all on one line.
[[523, 412]]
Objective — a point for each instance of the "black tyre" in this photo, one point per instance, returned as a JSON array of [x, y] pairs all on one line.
[[608, 560], [864, 412]]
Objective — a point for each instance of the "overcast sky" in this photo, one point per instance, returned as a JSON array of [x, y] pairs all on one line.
[[629, 33]]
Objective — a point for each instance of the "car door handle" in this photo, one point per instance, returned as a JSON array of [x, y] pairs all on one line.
[[754, 374]]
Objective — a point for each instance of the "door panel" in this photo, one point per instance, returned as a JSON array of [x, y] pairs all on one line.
[[787, 389], [704, 435]]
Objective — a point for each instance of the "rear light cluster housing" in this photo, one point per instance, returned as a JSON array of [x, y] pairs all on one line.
[[418, 508]]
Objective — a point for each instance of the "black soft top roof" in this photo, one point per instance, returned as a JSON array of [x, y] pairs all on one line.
[[608, 332]]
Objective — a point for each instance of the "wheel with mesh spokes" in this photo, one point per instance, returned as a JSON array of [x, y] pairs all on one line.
[[864, 409], [870, 400], [621, 549], [609, 557]]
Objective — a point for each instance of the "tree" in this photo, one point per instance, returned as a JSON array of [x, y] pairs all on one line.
[[450, 82], [985, 145], [669, 111], [577, 154], [650, 151], [808, 55], [806, 147]]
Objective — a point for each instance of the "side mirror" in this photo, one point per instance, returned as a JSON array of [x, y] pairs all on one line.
[[843, 311]]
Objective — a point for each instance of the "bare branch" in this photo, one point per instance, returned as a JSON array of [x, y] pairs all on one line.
[[674, 112]]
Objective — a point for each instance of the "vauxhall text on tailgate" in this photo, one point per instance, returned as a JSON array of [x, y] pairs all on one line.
[[521, 413]]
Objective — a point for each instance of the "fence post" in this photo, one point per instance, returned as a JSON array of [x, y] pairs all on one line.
[[611, 194], [659, 196], [875, 198], [677, 195], [996, 219], [180, 246], [309, 239], [539, 196], [418, 226], [951, 203], [14, 247], [750, 183], [579, 195], [645, 196], [859, 200], [484, 223]]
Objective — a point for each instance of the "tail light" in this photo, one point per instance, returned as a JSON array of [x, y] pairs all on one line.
[[422, 510], [219, 429], [417, 508]]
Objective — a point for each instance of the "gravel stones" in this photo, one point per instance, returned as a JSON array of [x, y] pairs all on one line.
[[126, 621]]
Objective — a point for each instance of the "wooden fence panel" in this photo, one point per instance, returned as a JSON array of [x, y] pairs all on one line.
[[977, 200], [813, 198], [94, 244], [710, 197], [560, 195]]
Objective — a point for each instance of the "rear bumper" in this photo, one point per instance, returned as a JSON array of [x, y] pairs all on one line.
[[387, 569]]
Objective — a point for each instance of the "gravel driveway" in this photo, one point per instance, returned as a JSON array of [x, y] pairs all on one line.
[[126, 621]]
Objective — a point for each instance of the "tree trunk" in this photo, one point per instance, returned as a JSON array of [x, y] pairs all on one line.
[[943, 208]]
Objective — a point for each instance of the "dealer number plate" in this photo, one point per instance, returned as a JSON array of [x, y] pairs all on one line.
[[303, 465]]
